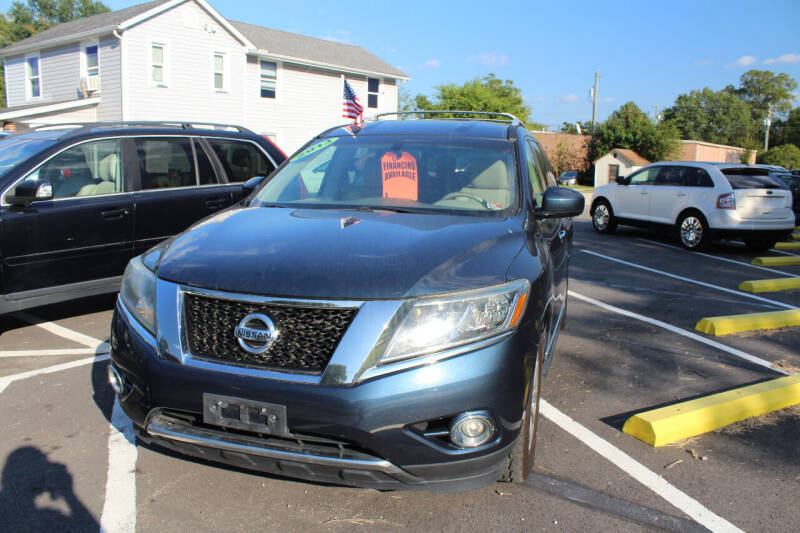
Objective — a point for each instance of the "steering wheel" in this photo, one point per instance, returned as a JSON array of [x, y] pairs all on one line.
[[457, 194]]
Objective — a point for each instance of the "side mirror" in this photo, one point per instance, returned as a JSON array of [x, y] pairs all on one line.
[[252, 184], [29, 191], [560, 202], [623, 180]]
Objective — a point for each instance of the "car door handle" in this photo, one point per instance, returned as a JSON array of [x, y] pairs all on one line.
[[645, 192], [114, 213], [681, 194], [217, 203]]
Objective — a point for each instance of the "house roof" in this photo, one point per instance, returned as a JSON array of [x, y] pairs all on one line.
[[290, 45], [273, 42], [632, 157], [95, 23]]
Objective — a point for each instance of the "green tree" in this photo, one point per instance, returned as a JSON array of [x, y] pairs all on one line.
[[786, 155], [629, 127], [713, 116], [788, 130], [23, 20], [763, 88], [489, 94]]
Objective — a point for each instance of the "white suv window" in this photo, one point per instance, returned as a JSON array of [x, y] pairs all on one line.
[[646, 176]]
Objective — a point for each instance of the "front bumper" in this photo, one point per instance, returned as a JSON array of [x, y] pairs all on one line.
[[370, 433]]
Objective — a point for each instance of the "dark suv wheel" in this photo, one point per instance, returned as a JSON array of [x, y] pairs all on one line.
[[603, 219]]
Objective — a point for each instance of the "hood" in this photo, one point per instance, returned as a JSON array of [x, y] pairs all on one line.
[[344, 254]]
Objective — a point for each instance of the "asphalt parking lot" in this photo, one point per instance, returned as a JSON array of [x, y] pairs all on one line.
[[67, 465]]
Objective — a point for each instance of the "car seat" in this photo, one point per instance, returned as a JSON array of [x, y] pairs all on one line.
[[109, 173], [491, 185]]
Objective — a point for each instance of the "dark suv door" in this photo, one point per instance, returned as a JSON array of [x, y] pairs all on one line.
[[83, 234]]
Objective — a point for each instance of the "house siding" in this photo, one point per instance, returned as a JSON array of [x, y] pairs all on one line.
[[109, 57], [191, 36], [61, 72], [15, 81], [308, 101]]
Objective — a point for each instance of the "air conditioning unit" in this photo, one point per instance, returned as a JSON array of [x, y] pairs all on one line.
[[93, 83]]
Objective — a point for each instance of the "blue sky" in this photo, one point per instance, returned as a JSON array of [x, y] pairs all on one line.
[[647, 52]]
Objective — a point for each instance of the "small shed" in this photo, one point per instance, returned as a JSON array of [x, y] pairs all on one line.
[[618, 162]]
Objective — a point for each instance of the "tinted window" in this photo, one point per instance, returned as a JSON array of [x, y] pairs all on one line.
[[535, 176], [165, 162], [15, 150], [430, 174], [205, 169], [745, 178], [645, 176], [241, 160], [88, 169], [697, 177]]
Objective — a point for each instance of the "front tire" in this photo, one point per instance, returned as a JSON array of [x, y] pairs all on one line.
[[520, 461], [603, 219], [693, 232]]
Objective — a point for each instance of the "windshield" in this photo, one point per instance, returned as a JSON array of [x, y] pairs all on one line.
[[15, 150], [474, 176], [745, 178]]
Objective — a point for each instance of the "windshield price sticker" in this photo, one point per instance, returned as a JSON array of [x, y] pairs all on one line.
[[400, 176]]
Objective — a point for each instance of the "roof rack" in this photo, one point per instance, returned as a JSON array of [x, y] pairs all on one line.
[[85, 127], [511, 118]]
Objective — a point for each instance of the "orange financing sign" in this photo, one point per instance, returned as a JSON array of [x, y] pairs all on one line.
[[400, 176]]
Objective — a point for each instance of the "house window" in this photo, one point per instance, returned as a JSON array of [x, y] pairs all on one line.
[[219, 71], [158, 64], [34, 81], [269, 74], [373, 85], [91, 67]]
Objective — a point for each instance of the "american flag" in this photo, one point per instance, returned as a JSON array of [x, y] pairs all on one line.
[[351, 108]]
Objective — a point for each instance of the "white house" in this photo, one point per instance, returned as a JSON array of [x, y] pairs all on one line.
[[618, 162], [180, 60]]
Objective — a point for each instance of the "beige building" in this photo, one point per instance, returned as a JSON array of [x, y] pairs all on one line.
[[721, 153], [618, 162]]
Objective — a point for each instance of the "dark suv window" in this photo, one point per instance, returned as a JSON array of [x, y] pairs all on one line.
[[242, 160], [165, 162], [88, 169]]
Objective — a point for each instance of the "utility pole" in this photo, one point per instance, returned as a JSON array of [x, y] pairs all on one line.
[[594, 104], [767, 123]]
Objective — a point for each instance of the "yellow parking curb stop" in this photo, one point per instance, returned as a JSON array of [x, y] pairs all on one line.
[[687, 419], [770, 285], [796, 236], [777, 261], [725, 325], [787, 245]]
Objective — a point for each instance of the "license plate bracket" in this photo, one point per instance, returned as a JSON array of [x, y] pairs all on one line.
[[244, 414]]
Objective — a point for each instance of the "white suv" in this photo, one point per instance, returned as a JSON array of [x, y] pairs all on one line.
[[700, 201]]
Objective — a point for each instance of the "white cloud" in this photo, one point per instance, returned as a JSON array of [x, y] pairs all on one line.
[[567, 98], [431, 63], [785, 58], [494, 60], [744, 61]]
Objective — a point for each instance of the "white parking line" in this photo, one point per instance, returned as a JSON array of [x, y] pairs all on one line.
[[638, 471], [689, 280], [119, 509], [61, 331], [102, 348], [783, 252], [5, 381], [766, 269], [733, 351]]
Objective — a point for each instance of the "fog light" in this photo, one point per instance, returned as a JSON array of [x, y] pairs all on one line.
[[471, 429], [115, 379]]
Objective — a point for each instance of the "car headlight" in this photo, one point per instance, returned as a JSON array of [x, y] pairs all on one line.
[[138, 291], [435, 324]]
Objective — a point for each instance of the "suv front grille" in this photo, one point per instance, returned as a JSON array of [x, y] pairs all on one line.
[[307, 338]]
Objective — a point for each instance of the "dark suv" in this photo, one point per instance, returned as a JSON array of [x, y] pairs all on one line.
[[379, 313], [78, 202]]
